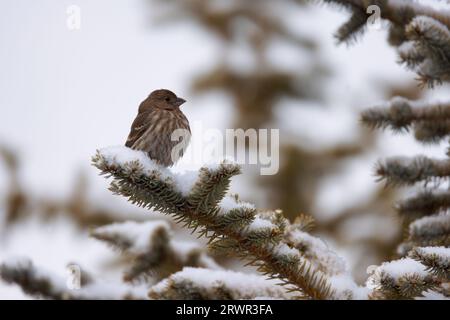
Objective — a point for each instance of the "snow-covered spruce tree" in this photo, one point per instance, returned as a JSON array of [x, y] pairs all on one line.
[[422, 36], [279, 249]]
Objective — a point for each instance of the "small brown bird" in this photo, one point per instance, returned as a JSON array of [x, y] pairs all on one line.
[[155, 128]]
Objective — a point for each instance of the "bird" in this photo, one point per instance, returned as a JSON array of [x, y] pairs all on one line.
[[154, 130]]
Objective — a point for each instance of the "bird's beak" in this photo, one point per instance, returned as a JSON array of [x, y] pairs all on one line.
[[179, 101]]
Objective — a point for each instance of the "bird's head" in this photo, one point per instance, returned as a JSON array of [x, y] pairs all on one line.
[[165, 99]]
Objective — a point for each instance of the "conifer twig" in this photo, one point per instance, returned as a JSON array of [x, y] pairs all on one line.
[[150, 248], [401, 279], [40, 283], [430, 121], [201, 284]]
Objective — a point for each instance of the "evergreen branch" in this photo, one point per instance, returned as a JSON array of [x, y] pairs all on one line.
[[151, 249], [33, 282], [431, 40], [316, 251], [401, 279], [260, 237], [354, 27], [431, 122], [42, 284], [211, 187], [424, 203], [436, 259], [201, 284], [408, 171], [430, 231], [398, 12], [303, 223]]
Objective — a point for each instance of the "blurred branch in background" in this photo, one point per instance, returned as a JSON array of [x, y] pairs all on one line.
[[152, 251], [15, 201], [21, 204]]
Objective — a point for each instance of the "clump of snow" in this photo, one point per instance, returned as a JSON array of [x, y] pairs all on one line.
[[229, 203], [435, 4], [406, 47], [430, 224], [283, 249], [139, 234], [399, 268], [346, 288], [318, 251], [186, 179], [395, 270], [183, 180], [243, 284], [121, 155], [215, 164], [432, 295], [442, 254], [184, 249], [111, 291], [440, 251], [259, 224]]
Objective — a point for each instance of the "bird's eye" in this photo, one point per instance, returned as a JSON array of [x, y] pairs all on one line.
[[167, 99]]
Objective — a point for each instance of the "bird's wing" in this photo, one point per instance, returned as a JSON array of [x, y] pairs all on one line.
[[139, 126]]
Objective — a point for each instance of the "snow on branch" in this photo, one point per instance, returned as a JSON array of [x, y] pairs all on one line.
[[429, 39], [431, 231], [436, 259], [424, 203], [421, 33], [315, 250], [229, 224], [398, 12], [400, 279], [40, 283], [201, 284], [408, 171], [151, 249], [430, 122]]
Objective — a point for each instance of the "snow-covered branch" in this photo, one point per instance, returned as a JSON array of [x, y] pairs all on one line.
[[401, 279], [431, 231], [436, 259], [430, 121], [424, 203], [150, 248], [421, 33], [408, 171], [40, 283], [201, 284], [266, 238]]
